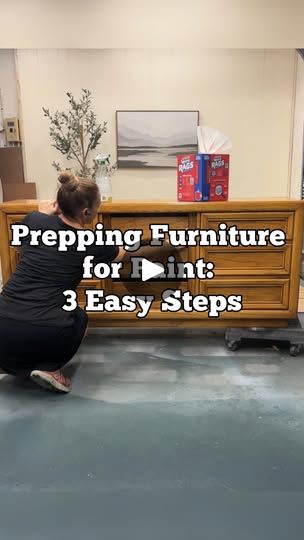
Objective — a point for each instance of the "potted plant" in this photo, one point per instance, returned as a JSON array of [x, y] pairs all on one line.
[[75, 133]]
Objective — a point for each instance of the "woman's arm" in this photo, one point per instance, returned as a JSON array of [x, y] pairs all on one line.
[[147, 252], [48, 207], [45, 207]]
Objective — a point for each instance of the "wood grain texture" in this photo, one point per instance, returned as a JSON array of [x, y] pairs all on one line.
[[268, 278], [255, 219], [96, 321], [4, 248], [258, 261], [163, 206], [301, 300], [256, 294]]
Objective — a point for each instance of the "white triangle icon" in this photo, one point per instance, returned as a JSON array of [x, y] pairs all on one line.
[[150, 270]]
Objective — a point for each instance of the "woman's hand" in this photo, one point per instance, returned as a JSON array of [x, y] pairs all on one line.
[[168, 245], [48, 207]]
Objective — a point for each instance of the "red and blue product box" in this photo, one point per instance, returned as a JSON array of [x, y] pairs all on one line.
[[203, 177]]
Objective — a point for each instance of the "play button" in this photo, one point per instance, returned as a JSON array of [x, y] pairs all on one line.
[[150, 270]]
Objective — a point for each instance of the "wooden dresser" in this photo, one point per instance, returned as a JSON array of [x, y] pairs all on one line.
[[266, 277]]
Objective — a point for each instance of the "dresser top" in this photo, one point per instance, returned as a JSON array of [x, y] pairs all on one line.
[[171, 206]]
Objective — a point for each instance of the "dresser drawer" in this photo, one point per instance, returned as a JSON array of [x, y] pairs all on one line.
[[180, 257], [257, 294], [83, 286], [124, 222], [251, 220], [153, 288], [249, 261]]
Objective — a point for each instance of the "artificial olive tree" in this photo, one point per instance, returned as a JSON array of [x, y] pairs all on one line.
[[76, 132]]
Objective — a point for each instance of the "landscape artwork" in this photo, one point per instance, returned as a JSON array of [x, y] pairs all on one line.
[[155, 138]]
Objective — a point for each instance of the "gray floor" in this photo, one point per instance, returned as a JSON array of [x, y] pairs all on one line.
[[166, 435]]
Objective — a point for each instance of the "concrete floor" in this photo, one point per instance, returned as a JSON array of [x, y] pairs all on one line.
[[166, 435]]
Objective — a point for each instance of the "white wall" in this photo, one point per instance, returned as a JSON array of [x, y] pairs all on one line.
[[247, 94], [298, 132], [8, 86], [151, 23]]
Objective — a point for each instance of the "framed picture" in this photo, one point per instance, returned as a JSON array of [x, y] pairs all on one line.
[[154, 138]]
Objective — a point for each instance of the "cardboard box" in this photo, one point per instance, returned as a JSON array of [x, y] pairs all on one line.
[[15, 191], [202, 177]]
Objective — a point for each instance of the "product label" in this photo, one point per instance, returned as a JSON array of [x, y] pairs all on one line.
[[202, 177], [186, 164]]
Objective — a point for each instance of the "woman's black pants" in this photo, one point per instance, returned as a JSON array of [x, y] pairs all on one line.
[[25, 347]]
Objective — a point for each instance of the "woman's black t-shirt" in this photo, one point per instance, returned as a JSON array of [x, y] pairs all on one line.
[[34, 293]]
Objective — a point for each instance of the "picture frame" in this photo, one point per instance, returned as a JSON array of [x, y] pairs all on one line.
[[153, 138]]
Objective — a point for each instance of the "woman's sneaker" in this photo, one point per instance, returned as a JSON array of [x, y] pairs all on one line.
[[52, 380]]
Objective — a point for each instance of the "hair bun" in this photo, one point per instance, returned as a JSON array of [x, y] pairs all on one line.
[[68, 180]]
